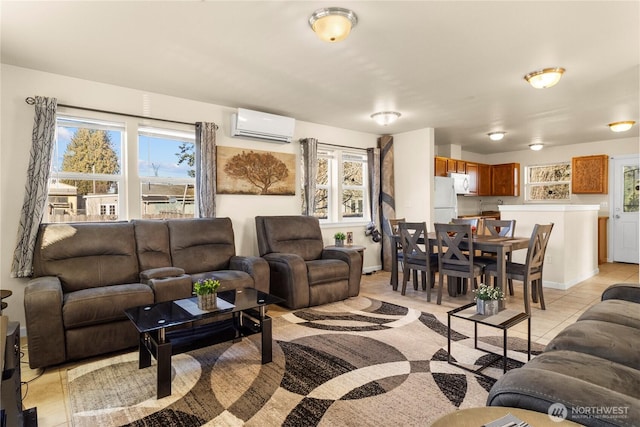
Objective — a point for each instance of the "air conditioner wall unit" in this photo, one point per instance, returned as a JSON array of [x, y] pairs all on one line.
[[254, 124]]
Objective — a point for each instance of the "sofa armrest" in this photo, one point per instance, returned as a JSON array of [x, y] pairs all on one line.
[[256, 267], [45, 328], [354, 260], [160, 273], [171, 288], [624, 291], [288, 279]]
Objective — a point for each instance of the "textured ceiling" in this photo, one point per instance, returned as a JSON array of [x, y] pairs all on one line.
[[455, 66]]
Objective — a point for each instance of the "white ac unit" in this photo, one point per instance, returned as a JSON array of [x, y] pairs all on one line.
[[254, 124]]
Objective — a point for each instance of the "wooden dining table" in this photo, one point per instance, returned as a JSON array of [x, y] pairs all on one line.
[[499, 245]]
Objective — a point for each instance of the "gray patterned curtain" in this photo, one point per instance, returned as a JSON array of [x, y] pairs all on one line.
[[206, 168], [387, 201], [35, 196], [309, 160], [373, 165]]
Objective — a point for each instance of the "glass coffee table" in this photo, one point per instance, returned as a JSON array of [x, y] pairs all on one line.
[[504, 320], [173, 327]]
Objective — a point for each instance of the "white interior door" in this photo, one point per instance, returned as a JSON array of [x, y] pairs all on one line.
[[625, 215]]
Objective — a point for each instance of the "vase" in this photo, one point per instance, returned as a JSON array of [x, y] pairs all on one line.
[[339, 242], [487, 307], [208, 301]]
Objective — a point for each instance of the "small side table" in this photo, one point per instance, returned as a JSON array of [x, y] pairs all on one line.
[[358, 248], [4, 293], [503, 320]]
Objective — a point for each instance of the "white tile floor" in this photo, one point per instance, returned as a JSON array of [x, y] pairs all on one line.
[[48, 391]]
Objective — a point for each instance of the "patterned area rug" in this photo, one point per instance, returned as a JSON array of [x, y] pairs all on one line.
[[360, 362]]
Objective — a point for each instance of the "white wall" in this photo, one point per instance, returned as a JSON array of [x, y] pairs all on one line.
[[17, 120]]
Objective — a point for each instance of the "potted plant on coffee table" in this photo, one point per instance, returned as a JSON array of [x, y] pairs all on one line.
[[206, 290], [488, 299], [339, 236]]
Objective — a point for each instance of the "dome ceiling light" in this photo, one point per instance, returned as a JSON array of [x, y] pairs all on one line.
[[333, 24], [384, 118], [621, 126], [496, 136], [545, 78], [536, 146]]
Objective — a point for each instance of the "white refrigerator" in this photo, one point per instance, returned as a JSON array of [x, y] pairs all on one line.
[[445, 200]]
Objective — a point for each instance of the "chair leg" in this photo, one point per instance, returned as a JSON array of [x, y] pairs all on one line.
[[541, 296], [510, 281], [415, 280], [525, 296], [534, 291], [423, 276], [405, 278], [440, 286]]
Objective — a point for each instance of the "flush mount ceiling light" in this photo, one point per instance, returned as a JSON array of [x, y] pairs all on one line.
[[496, 136], [333, 24], [384, 118], [545, 78], [537, 146], [621, 126]]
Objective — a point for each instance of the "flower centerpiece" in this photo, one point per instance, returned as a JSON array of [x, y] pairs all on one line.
[[206, 289], [488, 299], [339, 236]]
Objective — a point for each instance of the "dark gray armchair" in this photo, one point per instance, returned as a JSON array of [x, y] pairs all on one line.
[[303, 272]]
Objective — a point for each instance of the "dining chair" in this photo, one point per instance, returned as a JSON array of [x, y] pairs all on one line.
[[417, 256], [471, 221], [497, 228], [393, 227], [456, 256], [531, 271]]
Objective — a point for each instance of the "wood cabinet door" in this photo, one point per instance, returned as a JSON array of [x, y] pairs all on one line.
[[452, 165], [472, 170], [461, 166], [505, 179], [484, 180], [590, 174], [440, 166]]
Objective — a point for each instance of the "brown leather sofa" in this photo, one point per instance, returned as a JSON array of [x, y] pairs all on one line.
[[87, 274], [303, 272]]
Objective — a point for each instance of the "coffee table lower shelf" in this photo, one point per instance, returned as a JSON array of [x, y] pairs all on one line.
[[504, 320]]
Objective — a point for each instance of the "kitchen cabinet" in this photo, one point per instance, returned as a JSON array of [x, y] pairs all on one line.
[[505, 179], [461, 166], [484, 180], [589, 174], [440, 166], [472, 171], [452, 165]]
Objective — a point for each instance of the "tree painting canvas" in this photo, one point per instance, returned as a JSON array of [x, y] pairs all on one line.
[[247, 171]]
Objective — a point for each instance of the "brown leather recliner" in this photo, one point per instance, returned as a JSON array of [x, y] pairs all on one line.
[[303, 271]]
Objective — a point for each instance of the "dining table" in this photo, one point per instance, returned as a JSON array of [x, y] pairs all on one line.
[[499, 245]]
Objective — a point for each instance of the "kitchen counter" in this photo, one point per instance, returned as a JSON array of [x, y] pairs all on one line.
[[572, 252]]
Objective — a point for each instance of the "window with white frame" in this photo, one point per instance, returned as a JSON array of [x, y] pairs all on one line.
[[87, 181], [341, 185], [546, 183], [166, 166]]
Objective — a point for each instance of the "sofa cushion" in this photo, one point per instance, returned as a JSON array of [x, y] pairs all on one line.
[[614, 311], [86, 255], [152, 243], [299, 235], [102, 305], [229, 279], [609, 341], [327, 270], [201, 244]]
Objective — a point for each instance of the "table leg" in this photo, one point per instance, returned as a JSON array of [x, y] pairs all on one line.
[[529, 338], [504, 347], [502, 268], [144, 354], [164, 369], [394, 264], [267, 342], [448, 338]]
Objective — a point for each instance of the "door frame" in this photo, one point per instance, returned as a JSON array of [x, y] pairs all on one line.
[[612, 188]]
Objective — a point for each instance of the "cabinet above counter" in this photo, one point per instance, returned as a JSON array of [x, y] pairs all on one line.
[[484, 180]]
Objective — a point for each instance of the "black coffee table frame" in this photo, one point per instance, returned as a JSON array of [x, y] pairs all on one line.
[[167, 328], [504, 320]]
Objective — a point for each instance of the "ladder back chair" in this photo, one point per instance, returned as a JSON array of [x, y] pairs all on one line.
[[417, 256]]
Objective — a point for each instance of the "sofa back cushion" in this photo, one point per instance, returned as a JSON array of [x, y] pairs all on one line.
[[87, 255], [294, 234], [152, 243], [201, 244]]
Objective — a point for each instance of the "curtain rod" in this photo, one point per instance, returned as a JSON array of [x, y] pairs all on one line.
[[340, 146], [32, 101]]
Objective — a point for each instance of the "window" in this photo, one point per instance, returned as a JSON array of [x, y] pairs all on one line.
[[548, 182], [92, 180], [86, 171], [341, 185], [166, 166]]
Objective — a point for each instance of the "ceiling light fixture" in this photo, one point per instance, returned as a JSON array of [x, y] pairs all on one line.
[[536, 146], [545, 78], [496, 136], [384, 118], [621, 126], [333, 24]]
